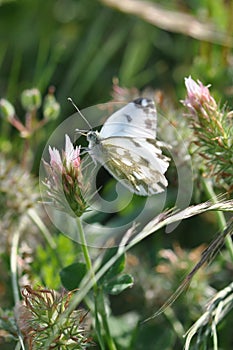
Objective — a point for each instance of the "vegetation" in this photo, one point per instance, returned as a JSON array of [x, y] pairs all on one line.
[[120, 272]]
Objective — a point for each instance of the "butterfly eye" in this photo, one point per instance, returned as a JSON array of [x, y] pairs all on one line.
[[144, 102], [92, 136]]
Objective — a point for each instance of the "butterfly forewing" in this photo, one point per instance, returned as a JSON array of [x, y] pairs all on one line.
[[133, 120], [127, 148]]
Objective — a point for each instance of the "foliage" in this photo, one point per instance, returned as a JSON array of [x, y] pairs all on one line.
[[94, 51]]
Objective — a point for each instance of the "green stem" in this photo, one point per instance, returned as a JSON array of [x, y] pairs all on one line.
[[175, 323], [39, 223], [13, 259], [219, 214], [14, 274], [98, 326], [98, 294], [45, 233], [110, 342], [86, 253]]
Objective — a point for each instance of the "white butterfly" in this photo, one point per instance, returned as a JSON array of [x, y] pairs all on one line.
[[127, 148]]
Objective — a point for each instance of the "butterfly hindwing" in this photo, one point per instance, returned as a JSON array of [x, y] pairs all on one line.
[[133, 163]]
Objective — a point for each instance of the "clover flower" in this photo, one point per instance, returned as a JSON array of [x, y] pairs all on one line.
[[213, 130], [198, 98], [37, 316], [65, 179]]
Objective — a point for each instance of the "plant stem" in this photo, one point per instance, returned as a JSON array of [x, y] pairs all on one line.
[[98, 294], [110, 342], [45, 233], [39, 223], [219, 214], [14, 251], [175, 323], [86, 253], [14, 274]]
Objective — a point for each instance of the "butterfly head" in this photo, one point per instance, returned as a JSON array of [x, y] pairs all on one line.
[[93, 138]]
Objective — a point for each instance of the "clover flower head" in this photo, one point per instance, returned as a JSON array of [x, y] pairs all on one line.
[[65, 183], [199, 99], [212, 128]]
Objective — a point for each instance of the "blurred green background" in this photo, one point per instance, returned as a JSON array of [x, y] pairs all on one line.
[[79, 47]]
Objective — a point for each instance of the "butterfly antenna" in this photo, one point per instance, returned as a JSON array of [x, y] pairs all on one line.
[[70, 100]]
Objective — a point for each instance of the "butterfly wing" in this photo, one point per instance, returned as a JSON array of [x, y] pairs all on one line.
[[139, 165], [136, 119], [126, 147]]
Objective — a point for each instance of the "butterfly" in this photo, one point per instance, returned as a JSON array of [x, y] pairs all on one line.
[[126, 146]]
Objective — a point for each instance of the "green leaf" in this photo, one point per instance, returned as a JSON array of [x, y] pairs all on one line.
[[72, 275], [116, 268], [124, 328], [118, 284]]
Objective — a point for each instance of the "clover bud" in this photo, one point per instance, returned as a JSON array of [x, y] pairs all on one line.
[[51, 107], [31, 99], [7, 110]]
